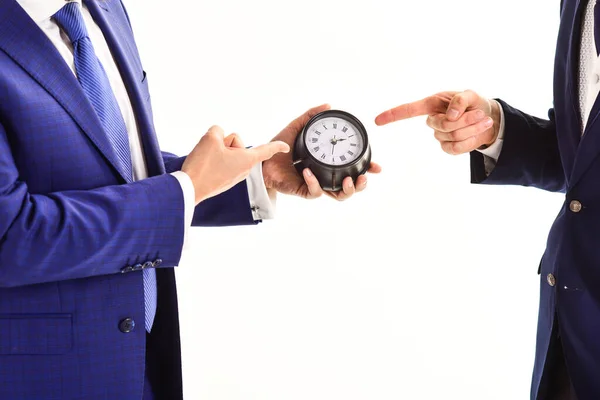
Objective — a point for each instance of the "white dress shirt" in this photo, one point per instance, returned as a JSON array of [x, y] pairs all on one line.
[[589, 84], [41, 11]]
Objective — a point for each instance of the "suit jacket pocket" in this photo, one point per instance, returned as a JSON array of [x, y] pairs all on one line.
[[29, 334]]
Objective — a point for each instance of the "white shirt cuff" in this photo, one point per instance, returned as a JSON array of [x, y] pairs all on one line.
[[263, 207], [189, 200], [492, 153]]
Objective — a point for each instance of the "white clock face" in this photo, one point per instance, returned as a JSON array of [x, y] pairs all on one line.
[[334, 141]]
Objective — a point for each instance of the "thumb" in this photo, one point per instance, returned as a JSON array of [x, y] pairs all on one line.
[[266, 151], [304, 118], [460, 103]]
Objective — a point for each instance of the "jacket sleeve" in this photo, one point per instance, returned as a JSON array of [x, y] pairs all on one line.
[[78, 234], [529, 155], [227, 209]]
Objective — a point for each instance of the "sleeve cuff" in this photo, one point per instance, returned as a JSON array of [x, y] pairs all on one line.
[[263, 207], [189, 198]]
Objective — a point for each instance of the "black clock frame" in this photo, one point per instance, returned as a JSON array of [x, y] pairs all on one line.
[[331, 176]]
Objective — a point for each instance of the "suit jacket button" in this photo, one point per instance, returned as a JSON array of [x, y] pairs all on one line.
[[157, 262], [575, 206], [147, 264], [127, 325], [138, 267], [551, 280]]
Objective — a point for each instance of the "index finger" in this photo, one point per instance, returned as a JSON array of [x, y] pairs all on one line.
[[264, 152], [427, 106]]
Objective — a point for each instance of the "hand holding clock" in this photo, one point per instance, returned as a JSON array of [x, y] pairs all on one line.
[[281, 176]]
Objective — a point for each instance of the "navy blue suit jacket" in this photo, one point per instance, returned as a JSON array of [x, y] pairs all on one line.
[[70, 226], [552, 155]]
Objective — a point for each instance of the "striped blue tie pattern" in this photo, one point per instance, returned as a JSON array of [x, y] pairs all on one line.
[[95, 84]]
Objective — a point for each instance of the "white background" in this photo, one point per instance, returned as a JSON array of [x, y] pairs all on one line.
[[424, 286]]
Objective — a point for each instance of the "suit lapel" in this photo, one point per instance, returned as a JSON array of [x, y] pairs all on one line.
[[23, 41], [112, 20]]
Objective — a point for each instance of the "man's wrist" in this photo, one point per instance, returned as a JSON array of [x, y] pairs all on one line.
[[261, 197], [198, 196], [492, 152], [496, 115]]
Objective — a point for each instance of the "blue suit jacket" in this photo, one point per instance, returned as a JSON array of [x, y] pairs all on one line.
[[552, 155], [70, 225]]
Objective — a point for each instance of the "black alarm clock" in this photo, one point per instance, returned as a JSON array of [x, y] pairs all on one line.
[[334, 145]]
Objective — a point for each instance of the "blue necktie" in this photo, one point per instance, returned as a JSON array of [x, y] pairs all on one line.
[[96, 86]]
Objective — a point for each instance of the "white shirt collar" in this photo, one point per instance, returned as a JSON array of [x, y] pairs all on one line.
[[41, 10]]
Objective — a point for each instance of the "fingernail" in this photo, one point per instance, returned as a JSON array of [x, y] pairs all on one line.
[[453, 114], [364, 183], [488, 123], [350, 184], [308, 172]]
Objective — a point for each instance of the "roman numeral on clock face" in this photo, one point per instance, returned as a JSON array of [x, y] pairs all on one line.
[[351, 153], [314, 140], [345, 129], [335, 125], [343, 158], [323, 156], [316, 149], [353, 144]]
